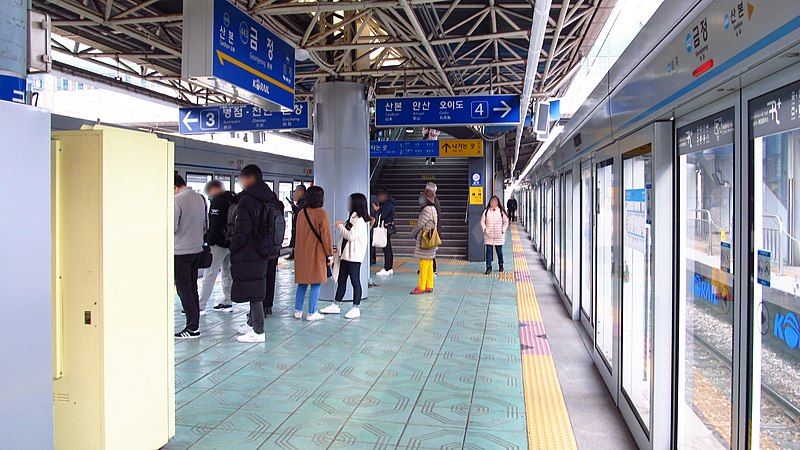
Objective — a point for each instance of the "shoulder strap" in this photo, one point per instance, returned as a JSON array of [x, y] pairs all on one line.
[[314, 230]]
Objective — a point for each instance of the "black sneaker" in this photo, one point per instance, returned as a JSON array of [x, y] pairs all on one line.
[[223, 307], [188, 334], [268, 311]]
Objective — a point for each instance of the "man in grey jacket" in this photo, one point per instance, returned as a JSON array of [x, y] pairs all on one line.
[[190, 225]]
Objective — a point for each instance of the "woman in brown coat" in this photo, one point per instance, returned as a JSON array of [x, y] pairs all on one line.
[[313, 252]]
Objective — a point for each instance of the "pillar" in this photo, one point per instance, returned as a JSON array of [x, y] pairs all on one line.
[[341, 157]]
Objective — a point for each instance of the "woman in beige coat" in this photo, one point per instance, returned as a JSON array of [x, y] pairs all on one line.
[[426, 221], [313, 252]]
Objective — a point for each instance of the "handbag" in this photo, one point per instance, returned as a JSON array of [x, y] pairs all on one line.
[[430, 238], [380, 235], [319, 239]]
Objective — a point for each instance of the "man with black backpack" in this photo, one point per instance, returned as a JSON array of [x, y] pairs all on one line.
[[257, 234]]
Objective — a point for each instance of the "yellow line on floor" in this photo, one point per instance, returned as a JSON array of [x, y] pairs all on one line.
[[548, 422]]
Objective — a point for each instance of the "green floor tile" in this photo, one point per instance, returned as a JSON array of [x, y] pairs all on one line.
[[430, 437], [233, 440]]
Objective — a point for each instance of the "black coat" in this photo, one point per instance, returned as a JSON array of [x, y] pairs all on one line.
[[511, 204], [218, 218], [248, 266]]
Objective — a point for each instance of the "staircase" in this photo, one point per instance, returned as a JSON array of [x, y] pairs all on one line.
[[405, 178]]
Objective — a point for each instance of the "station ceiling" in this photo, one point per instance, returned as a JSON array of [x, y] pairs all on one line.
[[406, 47]]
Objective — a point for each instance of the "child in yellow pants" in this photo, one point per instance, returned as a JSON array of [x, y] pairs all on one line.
[[426, 222]]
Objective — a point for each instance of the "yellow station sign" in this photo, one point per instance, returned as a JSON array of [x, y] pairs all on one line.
[[461, 148], [476, 195]]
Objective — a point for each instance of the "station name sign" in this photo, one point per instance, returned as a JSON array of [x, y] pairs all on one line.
[[230, 52], [460, 110], [443, 148], [212, 119]]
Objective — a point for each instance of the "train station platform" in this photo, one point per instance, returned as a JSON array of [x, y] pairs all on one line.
[[479, 364]]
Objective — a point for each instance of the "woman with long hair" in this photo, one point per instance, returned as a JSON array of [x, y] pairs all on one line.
[[426, 222], [314, 252], [494, 222], [352, 248]]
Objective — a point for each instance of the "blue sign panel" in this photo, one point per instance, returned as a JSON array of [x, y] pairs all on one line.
[[399, 149], [12, 89], [211, 119], [250, 56], [432, 111]]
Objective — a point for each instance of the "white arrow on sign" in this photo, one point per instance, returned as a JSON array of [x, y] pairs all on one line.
[[505, 110], [188, 121]]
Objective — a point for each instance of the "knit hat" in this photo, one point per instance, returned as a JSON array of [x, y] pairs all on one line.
[[431, 187]]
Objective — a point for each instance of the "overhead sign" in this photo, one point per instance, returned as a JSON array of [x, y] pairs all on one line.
[[211, 119], [403, 149], [711, 132], [776, 111], [444, 148], [476, 195], [230, 52], [461, 148], [433, 111], [12, 89]]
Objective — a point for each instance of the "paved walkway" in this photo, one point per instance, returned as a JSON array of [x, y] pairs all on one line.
[[435, 371]]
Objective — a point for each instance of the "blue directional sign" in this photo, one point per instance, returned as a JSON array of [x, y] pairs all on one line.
[[12, 89], [432, 111], [250, 56], [399, 149], [212, 119]]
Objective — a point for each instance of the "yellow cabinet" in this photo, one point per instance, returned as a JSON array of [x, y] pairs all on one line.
[[114, 383]]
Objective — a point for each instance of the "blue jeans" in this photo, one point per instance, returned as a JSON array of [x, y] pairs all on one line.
[[301, 295], [496, 248]]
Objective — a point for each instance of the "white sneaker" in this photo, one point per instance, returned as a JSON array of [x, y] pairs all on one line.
[[332, 309], [252, 337], [298, 314], [314, 317], [244, 329], [385, 272], [354, 313]]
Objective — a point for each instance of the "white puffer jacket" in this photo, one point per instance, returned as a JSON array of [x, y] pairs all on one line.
[[494, 224], [357, 237]]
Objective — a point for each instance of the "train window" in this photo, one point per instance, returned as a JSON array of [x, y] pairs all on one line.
[[605, 271], [775, 215], [637, 281], [706, 183], [236, 186], [557, 230], [586, 238], [197, 181], [568, 198], [284, 193], [225, 179]]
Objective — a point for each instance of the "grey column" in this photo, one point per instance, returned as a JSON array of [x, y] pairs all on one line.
[[341, 157], [14, 37]]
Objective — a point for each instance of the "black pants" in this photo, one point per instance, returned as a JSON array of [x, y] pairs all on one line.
[[388, 255], [272, 270], [434, 265], [512, 215], [352, 270], [186, 268], [255, 318]]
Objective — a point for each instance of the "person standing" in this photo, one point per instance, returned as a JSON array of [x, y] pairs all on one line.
[[352, 248], [248, 261], [385, 212], [511, 205], [190, 224], [221, 201], [432, 187], [314, 253], [272, 272], [494, 222], [297, 202], [426, 221]]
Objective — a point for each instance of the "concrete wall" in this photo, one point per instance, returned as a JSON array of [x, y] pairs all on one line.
[[26, 397]]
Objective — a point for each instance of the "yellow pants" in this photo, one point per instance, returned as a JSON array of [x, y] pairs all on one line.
[[425, 274]]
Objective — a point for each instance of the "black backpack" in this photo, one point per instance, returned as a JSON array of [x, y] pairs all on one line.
[[271, 230], [230, 225]]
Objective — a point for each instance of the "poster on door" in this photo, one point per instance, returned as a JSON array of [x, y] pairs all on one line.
[[636, 219]]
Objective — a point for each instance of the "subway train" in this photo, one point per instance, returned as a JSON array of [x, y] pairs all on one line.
[[668, 214], [199, 162]]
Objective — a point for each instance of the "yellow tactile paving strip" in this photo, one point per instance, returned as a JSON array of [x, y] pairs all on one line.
[[547, 419]]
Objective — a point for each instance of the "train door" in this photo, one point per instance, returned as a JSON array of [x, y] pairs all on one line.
[[705, 294], [285, 191], [773, 266], [606, 249], [586, 244]]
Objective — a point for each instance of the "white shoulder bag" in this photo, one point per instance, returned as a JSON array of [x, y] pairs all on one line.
[[380, 237]]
